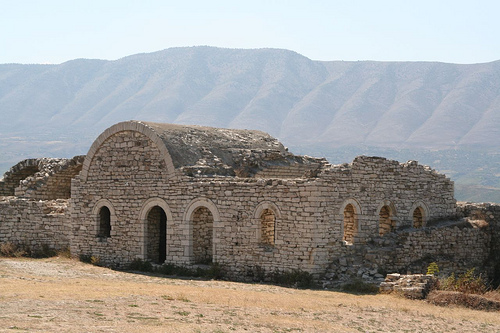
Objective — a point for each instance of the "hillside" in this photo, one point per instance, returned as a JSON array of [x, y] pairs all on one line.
[[332, 108], [63, 295]]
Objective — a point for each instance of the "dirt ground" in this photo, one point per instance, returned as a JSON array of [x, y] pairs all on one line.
[[64, 295]]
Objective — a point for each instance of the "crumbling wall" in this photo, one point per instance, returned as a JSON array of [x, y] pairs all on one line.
[[17, 173], [455, 246], [52, 179], [127, 173], [370, 183], [415, 286], [35, 224], [488, 213], [248, 205]]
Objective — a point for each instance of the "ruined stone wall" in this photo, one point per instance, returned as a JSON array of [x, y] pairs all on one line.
[[41, 178], [35, 224], [370, 183], [128, 175], [17, 173], [454, 248], [286, 172], [280, 212], [490, 214]]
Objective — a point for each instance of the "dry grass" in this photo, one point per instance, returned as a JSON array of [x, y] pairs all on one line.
[[473, 301], [59, 294]]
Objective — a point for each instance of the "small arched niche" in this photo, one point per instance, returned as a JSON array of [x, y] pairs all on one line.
[[418, 217], [387, 219]]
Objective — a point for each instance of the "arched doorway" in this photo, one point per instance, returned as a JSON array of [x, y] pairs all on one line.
[[156, 235], [203, 224]]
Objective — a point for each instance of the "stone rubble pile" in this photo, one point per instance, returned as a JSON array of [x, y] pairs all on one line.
[[415, 286]]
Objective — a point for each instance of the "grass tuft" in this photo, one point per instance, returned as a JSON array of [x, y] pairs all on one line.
[[357, 285]]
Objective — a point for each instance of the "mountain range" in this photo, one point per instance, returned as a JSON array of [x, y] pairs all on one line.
[[336, 109]]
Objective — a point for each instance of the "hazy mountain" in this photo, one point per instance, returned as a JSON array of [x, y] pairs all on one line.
[[58, 110]]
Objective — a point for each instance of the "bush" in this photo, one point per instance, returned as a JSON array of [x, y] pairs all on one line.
[[432, 269], [214, 271], [11, 250], [468, 283], [477, 302], [140, 265], [357, 285], [90, 259], [44, 251], [295, 278], [86, 258], [65, 253]]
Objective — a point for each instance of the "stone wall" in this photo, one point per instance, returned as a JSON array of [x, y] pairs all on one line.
[[490, 214], [281, 213], [53, 179], [18, 172], [127, 173], [455, 246], [35, 224], [415, 286]]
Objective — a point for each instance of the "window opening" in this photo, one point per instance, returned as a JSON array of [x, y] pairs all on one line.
[[386, 223], [350, 223], [268, 227], [418, 217], [104, 222]]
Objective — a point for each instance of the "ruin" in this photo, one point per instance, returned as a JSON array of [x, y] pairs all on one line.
[[192, 195]]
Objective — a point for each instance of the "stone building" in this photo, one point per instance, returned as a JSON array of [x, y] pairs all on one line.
[[193, 195]]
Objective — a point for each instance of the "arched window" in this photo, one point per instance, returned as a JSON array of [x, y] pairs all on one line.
[[267, 227], [418, 217], [266, 218], [386, 220], [350, 223], [104, 222]]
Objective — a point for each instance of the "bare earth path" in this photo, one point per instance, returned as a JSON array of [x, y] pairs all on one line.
[[63, 295]]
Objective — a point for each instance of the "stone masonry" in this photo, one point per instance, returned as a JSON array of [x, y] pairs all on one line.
[[188, 195]]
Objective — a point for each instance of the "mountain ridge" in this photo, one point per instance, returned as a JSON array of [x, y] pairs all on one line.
[[54, 110]]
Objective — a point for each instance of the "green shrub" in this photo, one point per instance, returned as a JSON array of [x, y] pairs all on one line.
[[140, 265], [215, 271], [468, 282], [432, 269], [295, 278], [44, 251], [357, 285], [472, 301], [90, 259]]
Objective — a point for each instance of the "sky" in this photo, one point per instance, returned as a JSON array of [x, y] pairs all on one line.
[[55, 31]]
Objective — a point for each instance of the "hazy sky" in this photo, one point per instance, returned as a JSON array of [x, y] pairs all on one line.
[[54, 31]]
